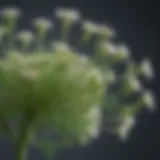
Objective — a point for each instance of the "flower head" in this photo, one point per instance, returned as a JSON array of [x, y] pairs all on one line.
[[146, 69], [10, 13], [148, 100], [65, 14], [132, 84], [25, 37], [106, 48], [127, 125], [93, 124], [42, 24], [60, 86], [89, 27], [122, 53], [105, 31], [60, 46]]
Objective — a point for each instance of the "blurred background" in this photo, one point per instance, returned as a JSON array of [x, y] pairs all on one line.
[[137, 24]]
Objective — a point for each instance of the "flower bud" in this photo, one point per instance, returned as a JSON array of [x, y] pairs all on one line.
[[122, 53], [105, 31], [25, 37], [89, 27], [10, 13], [93, 125], [131, 84], [67, 18], [69, 15], [42, 24], [60, 46], [146, 69], [128, 123], [148, 100], [106, 49], [95, 75]]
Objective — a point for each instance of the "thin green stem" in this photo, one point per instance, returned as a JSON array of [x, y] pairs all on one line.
[[23, 140], [65, 30]]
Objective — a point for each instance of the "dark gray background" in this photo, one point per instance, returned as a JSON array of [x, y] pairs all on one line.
[[137, 24]]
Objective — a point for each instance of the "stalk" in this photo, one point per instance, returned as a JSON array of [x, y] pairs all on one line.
[[23, 140]]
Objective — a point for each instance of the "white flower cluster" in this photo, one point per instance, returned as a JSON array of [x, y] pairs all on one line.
[[61, 85]]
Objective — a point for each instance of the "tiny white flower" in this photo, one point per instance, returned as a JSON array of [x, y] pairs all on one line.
[[25, 36], [132, 84], [146, 68], [10, 12], [148, 100], [106, 31], [94, 117], [42, 23], [122, 52], [59, 46], [70, 15], [127, 125], [90, 27], [96, 75], [107, 48]]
